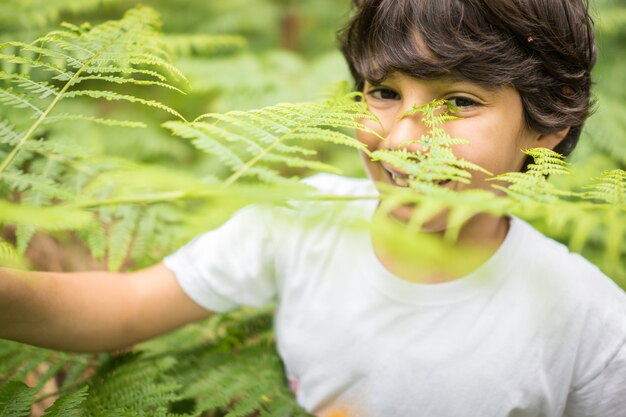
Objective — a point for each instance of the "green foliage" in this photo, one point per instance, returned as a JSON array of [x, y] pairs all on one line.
[[16, 399], [227, 365], [80, 153], [610, 187], [533, 185], [68, 405], [128, 51], [252, 143]]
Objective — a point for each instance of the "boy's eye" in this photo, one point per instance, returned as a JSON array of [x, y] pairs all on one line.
[[462, 102], [383, 94]]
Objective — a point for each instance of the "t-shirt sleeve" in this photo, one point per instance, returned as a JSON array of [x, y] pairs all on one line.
[[231, 266], [605, 394]]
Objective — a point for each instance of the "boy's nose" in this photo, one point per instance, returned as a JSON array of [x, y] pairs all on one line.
[[406, 132]]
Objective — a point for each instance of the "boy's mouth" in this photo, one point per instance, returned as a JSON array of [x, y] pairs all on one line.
[[398, 178], [402, 180]]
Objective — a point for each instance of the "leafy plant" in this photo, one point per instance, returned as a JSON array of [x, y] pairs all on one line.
[[72, 161]]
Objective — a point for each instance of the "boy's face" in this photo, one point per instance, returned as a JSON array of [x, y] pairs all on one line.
[[490, 120]]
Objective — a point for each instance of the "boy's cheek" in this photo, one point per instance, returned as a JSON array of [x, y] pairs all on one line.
[[370, 140]]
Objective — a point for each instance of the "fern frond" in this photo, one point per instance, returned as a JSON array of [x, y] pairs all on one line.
[[108, 53], [61, 73], [8, 133], [68, 405], [111, 96], [152, 390], [46, 218], [125, 80], [245, 140], [121, 235], [228, 364], [16, 399], [533, 184], [206, 142], [9, 256], [55, 150], [41, 184], [325, 135], [40, 89], [249, 395], [127, 71], [434, 113], [65, 117], [610, 188], [23, 235], [546, 162], [523, 186], [19, 101], [268, 175], [39, 52]]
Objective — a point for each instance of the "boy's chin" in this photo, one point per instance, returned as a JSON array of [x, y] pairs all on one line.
[[436, 224]]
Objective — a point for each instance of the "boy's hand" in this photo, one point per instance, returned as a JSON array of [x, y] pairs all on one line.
[[92, 311]]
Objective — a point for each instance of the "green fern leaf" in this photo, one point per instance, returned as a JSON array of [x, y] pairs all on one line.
[[96, 239], [246, 141], [610, 188], [121, 236], [23, 235], [9, 256], [533, 185], [325, 135], [19, 101], [111, 96], [134, 388], [46, 218], [206, 143], [125, 80], [66, 117], [546, 162], [68, 405], [40, 89], [16, 399], [108, 52], [8, 133], [61, 73], [40, 184]]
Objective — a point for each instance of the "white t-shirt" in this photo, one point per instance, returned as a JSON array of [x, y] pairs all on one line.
[[535, 331]]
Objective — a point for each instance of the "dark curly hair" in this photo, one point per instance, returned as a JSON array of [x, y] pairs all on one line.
[[543, 48]]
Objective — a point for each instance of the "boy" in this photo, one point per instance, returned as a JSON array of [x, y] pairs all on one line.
[[533, 331]]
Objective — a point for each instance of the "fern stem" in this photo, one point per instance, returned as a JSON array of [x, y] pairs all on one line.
[[183, 195], [9, 159], [237, 174]]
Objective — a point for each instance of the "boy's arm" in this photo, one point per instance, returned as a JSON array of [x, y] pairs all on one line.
[[92, 311]]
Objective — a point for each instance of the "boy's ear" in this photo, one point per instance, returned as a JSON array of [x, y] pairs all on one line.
[[551, 140]]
